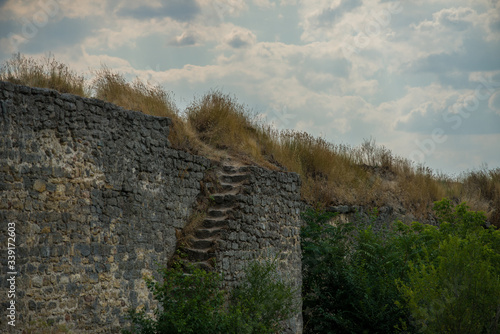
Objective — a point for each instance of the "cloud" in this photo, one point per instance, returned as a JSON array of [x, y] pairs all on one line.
[[264, 3], [453, 113], [494, 102], [456, 19], [187, 38], [466, 59], [180, 10], [288, 2], [32, 38], [330, 15], [216, 11], [238, 39]]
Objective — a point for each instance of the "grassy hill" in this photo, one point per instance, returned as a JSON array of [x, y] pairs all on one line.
[[218, 126]]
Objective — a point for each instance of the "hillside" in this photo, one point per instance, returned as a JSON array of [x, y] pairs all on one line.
[[217, 126]]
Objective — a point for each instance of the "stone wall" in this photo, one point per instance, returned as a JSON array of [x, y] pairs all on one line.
[[266, 225], [95, 196]]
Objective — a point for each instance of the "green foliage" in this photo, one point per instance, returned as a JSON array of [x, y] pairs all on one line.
[[263, 300], [195, 302], [454, 281], [349, 278], [191, 303], [412, 278]]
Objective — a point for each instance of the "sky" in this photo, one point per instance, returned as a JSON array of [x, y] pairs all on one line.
[[420, 77]]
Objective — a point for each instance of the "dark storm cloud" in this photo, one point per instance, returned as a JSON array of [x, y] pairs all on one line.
[[180, 10]]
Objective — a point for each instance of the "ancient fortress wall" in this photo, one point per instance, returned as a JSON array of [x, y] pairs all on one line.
[[96, 199]]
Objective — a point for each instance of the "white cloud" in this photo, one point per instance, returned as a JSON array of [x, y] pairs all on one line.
[[494, 102], [187, 38], [448, 19], [264, 4], [220, 10], [240, 38]]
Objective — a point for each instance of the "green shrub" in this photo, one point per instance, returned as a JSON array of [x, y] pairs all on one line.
[[195, 302], [411, 278], [263, 301], [349, 278], [454, 280]]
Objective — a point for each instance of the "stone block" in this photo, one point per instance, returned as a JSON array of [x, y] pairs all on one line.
[[39, 185]]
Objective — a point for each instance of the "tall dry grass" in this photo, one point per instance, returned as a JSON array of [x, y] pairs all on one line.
[[481, 189], [224, 124], [44, 73], [329, 175], [149, 99], [113, 87]]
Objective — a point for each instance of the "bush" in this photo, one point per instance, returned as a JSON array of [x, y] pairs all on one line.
[[454, 281], [263, 301], [195, 303], [416, 278], [349, 278]]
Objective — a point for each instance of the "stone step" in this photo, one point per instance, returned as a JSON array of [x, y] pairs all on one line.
[[204, 265], [228, 187], [234, 179], [196, 255], [227, 169], [224, 198], [204, 233], [204, 239], [219, 211], [216, 214], [201, 243], [213, 223], [234, 190], [245, 169], [230, 169]]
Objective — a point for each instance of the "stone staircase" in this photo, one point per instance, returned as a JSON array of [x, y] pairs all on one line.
[[202, 243]]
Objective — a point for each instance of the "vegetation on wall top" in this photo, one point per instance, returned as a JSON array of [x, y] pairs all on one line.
[[217, 126]]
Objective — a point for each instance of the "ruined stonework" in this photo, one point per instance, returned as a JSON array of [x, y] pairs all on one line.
[[265, 223], [97, 195]]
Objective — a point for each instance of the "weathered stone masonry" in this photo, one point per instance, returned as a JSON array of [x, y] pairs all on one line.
[[265, 224], [97, 194]]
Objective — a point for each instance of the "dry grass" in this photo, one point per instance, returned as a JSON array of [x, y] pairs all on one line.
[[329, 175], [217, 126], [481, 190], [43, 73], [113, 87], [152, 100], [224, 124]]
